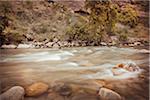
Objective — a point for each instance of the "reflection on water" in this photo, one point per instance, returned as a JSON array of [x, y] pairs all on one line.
[[24, 66]]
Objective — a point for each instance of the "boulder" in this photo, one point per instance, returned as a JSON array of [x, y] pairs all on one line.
[[24, 46], [11, 46], [103, 44], [107, 94], [36, 89], [131, 67], [63, 89], [14, 93]]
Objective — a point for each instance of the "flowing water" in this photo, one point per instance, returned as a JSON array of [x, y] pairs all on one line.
[[74, 65]]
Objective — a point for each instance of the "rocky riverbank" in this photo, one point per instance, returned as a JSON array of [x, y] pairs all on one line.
[[56, 43]]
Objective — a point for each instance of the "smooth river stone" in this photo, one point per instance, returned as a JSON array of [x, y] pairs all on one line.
[[14, 93], [107, 94], [54, 96], [36, 89]]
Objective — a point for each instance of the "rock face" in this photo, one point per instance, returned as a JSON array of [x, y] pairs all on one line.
[[11, 46], [107, 94], [36, 89], [14, 93]]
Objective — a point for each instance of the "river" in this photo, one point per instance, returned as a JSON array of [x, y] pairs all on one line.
[[83, 66]]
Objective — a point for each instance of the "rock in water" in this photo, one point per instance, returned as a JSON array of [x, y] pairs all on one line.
[[14, 93], [36, 89], [107, 94], [63, 89], [119, 71], [83, 96], [131, 67], [54, 96]]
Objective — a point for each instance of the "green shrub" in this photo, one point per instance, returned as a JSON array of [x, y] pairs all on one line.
[[84, 32], [103, 16], [128, 16], [123, 37]]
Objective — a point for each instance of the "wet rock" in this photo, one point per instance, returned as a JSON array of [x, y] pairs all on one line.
[[14, 93], [11, 46], [83, 96], [36, 89], [120, 65], [107, 94], [41, 97], [24, 46], [64, 90], [131, 67], [54, 96]]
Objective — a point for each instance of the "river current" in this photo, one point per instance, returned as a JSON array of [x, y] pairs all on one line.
[[74, 65]]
